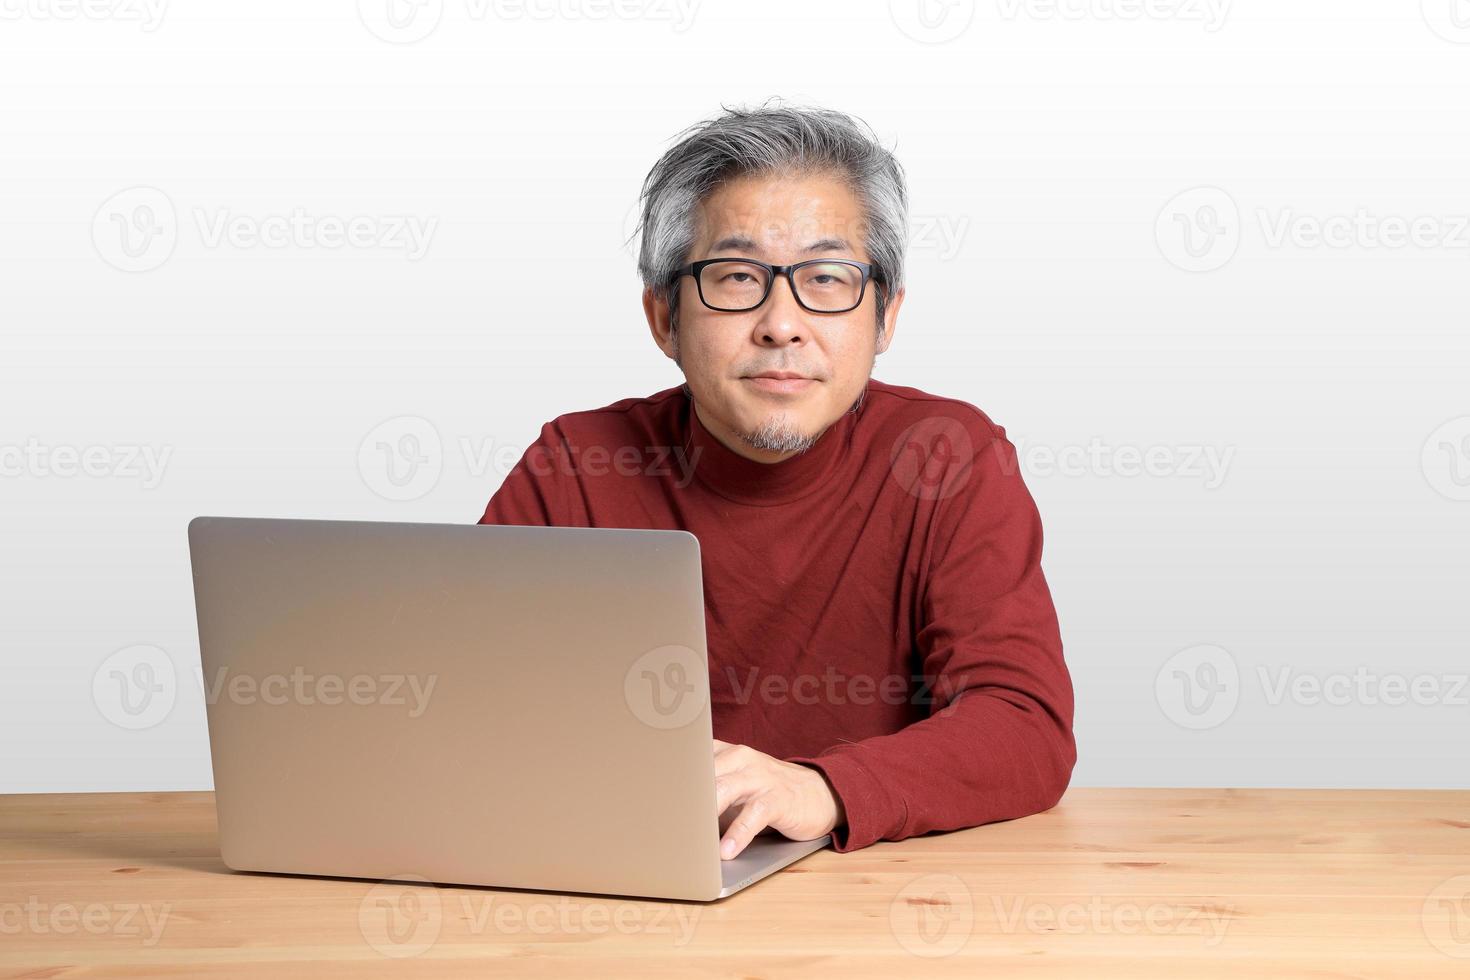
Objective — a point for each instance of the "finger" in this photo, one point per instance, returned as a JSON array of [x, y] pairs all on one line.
[[733, 814], [733, 759], [753, 818], [726, 819], [734, 788]]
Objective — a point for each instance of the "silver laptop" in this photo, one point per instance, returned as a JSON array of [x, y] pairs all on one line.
[[520, 707]]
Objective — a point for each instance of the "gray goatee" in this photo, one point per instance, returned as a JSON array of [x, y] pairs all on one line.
[[776, 434]]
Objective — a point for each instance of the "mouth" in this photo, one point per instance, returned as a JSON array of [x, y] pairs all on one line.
[[780, 382]]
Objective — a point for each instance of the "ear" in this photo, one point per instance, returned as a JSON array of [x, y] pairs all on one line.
[[890, 321], [660, 323]]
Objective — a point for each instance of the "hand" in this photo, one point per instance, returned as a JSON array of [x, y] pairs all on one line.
[[792, 799]]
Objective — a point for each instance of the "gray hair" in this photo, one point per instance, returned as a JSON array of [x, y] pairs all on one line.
[[771, 140]]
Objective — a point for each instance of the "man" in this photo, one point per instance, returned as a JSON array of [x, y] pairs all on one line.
[[884, 653]]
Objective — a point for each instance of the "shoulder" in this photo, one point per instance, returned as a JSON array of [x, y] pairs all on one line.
[[623, 422], [897, 408], [940, 449]]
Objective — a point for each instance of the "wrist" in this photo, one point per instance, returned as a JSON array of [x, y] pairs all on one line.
[[834, 812]]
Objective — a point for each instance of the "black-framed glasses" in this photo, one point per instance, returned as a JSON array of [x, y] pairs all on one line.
[[819, 285]]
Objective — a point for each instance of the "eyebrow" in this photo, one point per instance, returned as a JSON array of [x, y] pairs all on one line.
[[746, 244]]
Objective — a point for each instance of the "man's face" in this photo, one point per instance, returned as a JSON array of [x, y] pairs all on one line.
[[778, 220]]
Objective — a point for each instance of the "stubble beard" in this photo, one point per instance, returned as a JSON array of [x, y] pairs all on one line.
[[778, 434]]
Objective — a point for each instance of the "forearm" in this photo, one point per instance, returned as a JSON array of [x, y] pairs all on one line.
[[986, 756]]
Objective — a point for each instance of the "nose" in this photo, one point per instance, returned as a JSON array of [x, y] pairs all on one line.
[[779, 322]]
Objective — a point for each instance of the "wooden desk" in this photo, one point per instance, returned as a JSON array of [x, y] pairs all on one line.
[[1112, 882]]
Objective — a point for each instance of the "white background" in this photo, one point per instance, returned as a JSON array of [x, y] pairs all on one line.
[[1067, 275]]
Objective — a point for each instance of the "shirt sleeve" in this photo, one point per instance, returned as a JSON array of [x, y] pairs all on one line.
[[534, 492], [997, 743]]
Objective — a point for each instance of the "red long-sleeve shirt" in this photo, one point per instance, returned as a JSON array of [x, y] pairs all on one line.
[[875, 607]]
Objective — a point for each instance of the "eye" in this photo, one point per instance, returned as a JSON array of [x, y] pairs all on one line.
[[826, 276]]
